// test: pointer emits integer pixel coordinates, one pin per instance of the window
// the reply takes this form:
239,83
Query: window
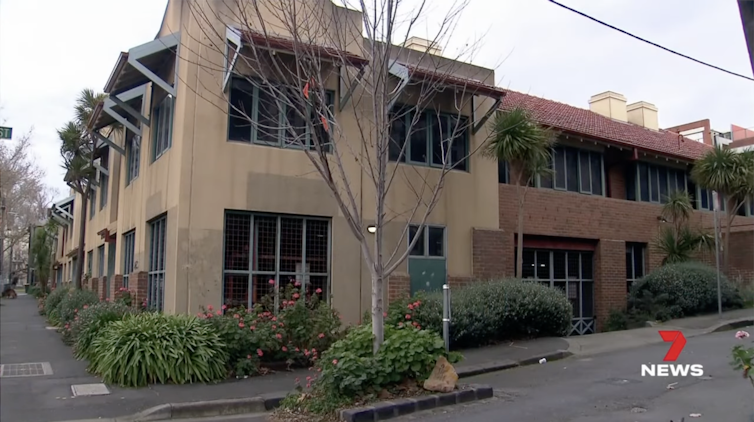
503,172
129,241
431,241
433,138
133,158
101,261
256,116
635,269
104,180
89,263
92,203
575,170
653,183
156,275
162,126
570,271
262,251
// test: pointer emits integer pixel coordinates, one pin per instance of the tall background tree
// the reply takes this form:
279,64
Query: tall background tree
26,196
526,147
731,174
77,149
327,42
41,255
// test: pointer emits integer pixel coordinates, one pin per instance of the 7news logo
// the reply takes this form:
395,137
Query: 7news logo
675,370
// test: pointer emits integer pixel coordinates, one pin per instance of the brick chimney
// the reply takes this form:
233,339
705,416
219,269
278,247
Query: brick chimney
644,114
609,104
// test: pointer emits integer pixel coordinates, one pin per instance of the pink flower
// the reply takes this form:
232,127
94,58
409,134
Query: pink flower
318,291
308,378
219,312
291,303
75,310
334,361
321,335
314,350
296,296
209,307
297,284
107,299
86,306
279,336
252,328
306,352
400,324
285,349
260,353
248,356
408,316
274,327
224,307
236,316
240,325
411,306
742,334
209,315
274,318
271,281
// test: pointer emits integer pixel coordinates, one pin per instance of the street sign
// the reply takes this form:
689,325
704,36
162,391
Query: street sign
6,132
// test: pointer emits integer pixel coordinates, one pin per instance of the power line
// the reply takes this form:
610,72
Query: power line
650,42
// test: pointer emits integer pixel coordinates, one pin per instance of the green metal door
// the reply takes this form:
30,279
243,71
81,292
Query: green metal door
427,274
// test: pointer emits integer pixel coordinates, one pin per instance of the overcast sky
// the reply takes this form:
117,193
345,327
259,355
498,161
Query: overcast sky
51,49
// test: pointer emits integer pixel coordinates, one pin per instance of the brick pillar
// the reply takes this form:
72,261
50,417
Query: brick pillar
115,285
609,279
398,286
94,286
101,288
488,253
139,289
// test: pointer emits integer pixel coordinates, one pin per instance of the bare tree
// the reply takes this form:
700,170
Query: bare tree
288,53
26,196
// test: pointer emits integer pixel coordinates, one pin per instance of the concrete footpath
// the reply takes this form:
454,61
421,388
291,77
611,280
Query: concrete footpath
47,395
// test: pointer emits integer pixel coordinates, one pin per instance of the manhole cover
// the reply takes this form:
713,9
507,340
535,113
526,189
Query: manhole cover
25,369
89,390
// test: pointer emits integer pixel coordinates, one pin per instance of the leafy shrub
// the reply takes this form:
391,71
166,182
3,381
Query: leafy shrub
73,302
90,322
150,347
52,303
36,291
349,369
488,311
678,290
294,336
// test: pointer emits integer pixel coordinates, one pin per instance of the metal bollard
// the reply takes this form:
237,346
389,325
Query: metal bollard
446,316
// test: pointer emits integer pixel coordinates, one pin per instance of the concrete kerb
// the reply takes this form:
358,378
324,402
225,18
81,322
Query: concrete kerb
730,325
502,365
203,409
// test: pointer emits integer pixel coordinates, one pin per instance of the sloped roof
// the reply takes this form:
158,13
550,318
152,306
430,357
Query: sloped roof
588,123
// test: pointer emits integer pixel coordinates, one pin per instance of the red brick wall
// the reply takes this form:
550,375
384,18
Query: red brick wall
488,253
398,286
139,289
610,278
115,285
742,258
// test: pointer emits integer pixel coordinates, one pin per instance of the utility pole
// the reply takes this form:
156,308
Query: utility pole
3,226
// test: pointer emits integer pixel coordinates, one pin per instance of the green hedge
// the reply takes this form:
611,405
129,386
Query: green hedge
52,303
485,312
90,323
149,348
678,290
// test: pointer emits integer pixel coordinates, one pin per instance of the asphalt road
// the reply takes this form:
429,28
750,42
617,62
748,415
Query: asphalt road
609,387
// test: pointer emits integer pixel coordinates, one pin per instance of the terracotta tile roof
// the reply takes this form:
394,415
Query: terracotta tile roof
467,84
576,120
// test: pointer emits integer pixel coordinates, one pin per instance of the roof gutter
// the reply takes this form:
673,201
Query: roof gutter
119,66
628,146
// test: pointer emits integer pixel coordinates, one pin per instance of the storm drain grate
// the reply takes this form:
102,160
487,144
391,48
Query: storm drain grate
25,369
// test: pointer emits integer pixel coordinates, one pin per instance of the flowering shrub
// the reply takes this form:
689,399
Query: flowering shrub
151,347
488,311
293,335
73,302
349,369
52,303
743,358
90,321
124,296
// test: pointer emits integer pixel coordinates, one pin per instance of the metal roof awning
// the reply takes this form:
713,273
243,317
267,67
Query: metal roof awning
62,211
141,65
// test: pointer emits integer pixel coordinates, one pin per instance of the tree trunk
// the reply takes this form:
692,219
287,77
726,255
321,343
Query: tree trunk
79,269
378,322
520,232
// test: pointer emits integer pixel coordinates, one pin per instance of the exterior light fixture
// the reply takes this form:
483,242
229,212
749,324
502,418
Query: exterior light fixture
372,229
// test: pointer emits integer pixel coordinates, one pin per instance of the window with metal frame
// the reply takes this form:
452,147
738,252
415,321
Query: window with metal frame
265,251
162,126
256,116
635,263
570,271
133,159
575,170
129,243
434,138
431,243
157,254
104,181
654,183
101,261
90,263
92,203
503,172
